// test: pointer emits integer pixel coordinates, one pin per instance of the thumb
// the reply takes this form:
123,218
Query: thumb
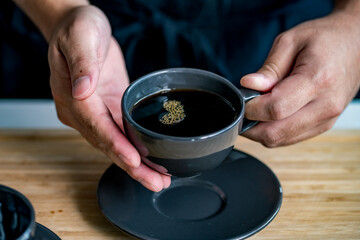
276,67
80,50
84,78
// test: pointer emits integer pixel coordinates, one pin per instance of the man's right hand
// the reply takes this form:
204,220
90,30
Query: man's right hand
88,79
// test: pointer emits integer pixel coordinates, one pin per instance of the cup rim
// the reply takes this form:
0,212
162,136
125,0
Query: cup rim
146,131
18,194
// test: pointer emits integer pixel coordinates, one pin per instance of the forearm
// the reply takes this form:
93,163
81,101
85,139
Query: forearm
46,14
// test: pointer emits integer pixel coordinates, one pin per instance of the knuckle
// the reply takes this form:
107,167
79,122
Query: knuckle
325,80
276,111
272,68
79,23
327,126
284,39
335,109
133,173
115,147
76,25
271,138
102,147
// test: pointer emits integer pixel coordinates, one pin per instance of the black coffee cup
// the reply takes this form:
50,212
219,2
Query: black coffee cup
184,156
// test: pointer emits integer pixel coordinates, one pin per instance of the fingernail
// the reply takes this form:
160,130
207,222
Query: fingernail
166,187
148,185
256,76
81,86
256,81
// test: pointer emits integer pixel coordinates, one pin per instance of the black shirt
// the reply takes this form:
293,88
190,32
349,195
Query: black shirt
228,37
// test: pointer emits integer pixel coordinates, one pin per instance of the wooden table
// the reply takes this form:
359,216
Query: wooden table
59,171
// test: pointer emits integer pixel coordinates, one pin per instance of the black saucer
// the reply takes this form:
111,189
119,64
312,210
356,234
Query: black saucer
43,233
233,201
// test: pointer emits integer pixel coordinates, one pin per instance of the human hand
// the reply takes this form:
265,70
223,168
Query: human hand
309,77
88,79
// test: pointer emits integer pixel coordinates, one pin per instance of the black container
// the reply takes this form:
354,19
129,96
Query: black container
17,218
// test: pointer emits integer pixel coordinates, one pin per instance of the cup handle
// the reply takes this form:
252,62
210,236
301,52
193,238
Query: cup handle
248,94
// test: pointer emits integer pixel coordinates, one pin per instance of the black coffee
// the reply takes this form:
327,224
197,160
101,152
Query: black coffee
184,113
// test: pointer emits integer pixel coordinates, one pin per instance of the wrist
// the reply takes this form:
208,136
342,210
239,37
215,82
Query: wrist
46,14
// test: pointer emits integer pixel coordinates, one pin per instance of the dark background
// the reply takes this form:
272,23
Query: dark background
230,38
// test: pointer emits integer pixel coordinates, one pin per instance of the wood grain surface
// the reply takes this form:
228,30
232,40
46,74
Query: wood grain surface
59,171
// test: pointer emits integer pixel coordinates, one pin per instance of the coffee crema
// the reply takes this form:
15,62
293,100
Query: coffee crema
175,112
184,112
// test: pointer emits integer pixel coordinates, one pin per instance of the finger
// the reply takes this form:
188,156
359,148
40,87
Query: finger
289,95
277,66
301,125
83,52
166,180
101,129
145,175
149,178
315,131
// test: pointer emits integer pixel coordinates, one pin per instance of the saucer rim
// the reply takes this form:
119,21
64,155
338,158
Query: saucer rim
40,229
273,213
